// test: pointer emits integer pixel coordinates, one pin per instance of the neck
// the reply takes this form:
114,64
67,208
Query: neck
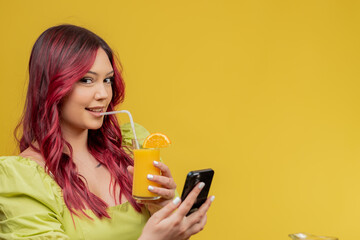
77,139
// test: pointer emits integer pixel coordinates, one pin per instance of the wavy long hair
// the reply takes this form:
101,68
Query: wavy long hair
60,57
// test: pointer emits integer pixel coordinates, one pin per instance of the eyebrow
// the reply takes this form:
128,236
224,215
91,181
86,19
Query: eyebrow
98,74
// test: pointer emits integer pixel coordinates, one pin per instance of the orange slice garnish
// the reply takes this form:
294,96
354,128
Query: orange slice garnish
156,140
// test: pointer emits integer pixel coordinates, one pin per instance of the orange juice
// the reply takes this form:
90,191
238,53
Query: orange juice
143,165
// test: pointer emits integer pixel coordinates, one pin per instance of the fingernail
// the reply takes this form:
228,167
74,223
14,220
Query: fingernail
201,185
156,162
150,188
149,176
212,198
176,200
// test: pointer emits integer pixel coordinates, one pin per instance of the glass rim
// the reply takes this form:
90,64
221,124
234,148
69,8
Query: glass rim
146,149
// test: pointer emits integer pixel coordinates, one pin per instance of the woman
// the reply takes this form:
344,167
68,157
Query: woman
72,179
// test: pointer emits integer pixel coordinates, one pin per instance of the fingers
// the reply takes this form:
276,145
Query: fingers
165,171
166,182
197,227
163,192
197,220
167,210
197,216
190,199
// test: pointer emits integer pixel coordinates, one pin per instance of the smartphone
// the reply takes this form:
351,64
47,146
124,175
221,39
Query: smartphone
193,178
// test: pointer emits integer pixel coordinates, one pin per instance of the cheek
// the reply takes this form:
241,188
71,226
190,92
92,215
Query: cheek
110,94
69,110
75,102
81,96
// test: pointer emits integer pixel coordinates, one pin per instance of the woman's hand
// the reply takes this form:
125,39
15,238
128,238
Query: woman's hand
167,191
169,225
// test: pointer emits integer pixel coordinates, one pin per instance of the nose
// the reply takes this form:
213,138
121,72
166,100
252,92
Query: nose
101,92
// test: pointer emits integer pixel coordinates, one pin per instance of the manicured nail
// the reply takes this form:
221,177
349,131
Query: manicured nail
176,200
149,176
212,198
201,185
150,188
156,162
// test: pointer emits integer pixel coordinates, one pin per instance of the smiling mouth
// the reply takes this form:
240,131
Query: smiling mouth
96,110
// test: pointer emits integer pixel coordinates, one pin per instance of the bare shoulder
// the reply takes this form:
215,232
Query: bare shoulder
33,155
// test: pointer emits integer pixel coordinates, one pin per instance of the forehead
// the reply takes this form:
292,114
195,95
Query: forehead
102,63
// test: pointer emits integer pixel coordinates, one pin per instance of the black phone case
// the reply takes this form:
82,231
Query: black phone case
193,178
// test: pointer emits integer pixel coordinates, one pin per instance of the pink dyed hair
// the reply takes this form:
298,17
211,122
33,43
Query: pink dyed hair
60,57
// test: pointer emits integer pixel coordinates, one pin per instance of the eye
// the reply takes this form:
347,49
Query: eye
109,80
86,80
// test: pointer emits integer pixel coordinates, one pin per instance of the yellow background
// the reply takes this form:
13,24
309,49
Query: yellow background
264,92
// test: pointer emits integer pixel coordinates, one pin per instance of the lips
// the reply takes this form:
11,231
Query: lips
96,109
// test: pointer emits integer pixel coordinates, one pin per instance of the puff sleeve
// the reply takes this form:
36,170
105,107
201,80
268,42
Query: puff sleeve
31,205
128,135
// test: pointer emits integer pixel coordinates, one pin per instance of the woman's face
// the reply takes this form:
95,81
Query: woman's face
90,96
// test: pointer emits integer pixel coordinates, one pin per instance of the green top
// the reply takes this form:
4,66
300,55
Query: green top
32,206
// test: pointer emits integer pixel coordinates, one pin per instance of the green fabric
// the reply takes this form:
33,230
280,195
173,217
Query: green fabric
127,133
32,206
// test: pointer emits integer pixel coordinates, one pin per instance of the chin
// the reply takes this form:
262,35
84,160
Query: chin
95,127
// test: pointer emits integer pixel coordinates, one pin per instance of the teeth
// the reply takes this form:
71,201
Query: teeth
94,110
